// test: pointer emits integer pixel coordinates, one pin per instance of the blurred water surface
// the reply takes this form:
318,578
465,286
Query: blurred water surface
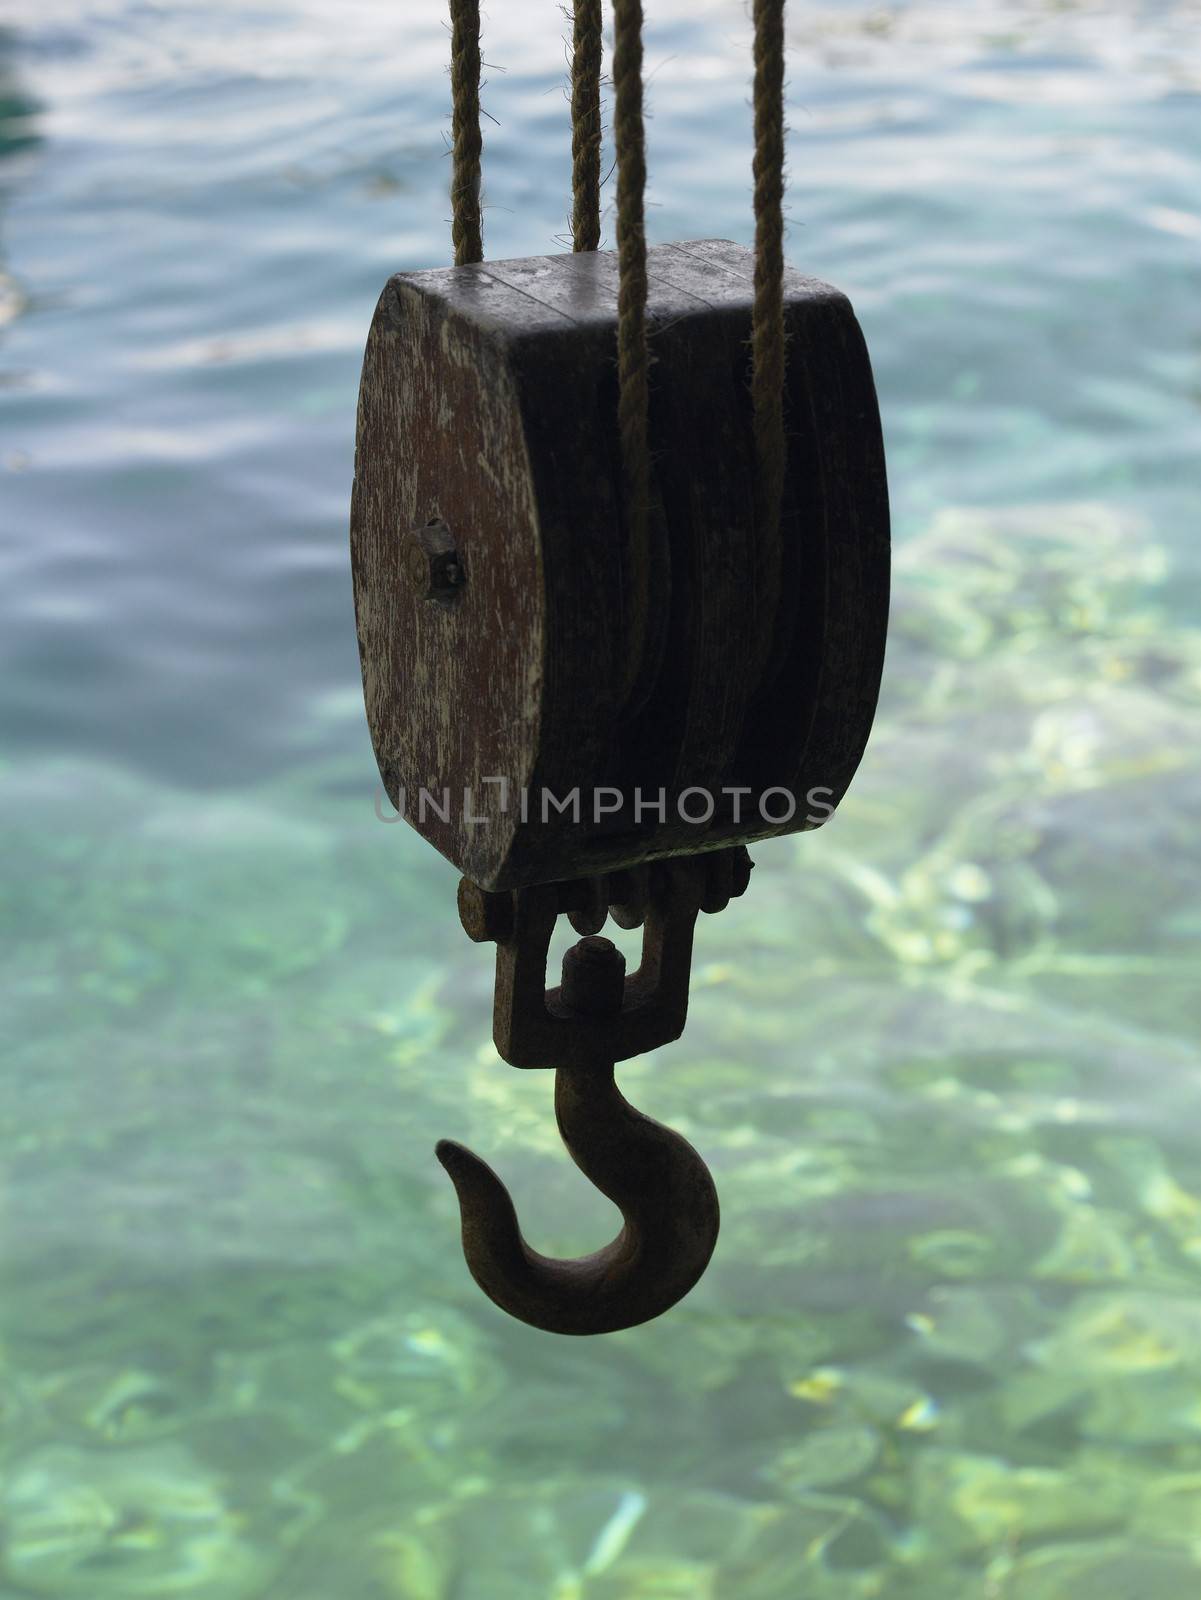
942,1059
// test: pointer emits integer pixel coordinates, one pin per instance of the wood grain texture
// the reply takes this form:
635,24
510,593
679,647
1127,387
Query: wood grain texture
489,400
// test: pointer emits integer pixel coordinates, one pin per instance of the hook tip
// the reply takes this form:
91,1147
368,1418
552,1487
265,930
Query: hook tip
492,1241
475,1182
450,1153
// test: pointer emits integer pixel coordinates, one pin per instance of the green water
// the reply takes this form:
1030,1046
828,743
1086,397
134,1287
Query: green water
941,1059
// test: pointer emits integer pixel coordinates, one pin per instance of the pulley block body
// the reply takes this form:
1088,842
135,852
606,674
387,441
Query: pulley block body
552,692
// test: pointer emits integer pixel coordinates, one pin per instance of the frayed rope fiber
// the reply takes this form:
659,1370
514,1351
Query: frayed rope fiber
467,140
586,125
633,359
767,322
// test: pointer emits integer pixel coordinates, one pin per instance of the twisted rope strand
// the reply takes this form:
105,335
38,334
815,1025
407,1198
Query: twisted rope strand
586,125
633,361
767,322
468,142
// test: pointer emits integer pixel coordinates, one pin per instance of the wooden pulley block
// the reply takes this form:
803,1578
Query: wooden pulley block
552,693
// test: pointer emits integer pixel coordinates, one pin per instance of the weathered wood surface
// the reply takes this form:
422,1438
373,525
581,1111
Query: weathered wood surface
489,404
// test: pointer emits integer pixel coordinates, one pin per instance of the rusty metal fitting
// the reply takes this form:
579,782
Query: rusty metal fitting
432,563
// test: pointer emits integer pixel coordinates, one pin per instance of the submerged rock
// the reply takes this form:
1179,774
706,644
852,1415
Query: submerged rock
1114,1570
965,1502
130,1524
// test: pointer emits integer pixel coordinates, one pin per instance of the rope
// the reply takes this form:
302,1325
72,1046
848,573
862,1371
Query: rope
633,361
768,334
767,320
468,142
586,125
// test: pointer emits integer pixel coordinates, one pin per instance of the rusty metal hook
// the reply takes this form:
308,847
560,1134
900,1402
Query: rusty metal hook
654,1176
596,1018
